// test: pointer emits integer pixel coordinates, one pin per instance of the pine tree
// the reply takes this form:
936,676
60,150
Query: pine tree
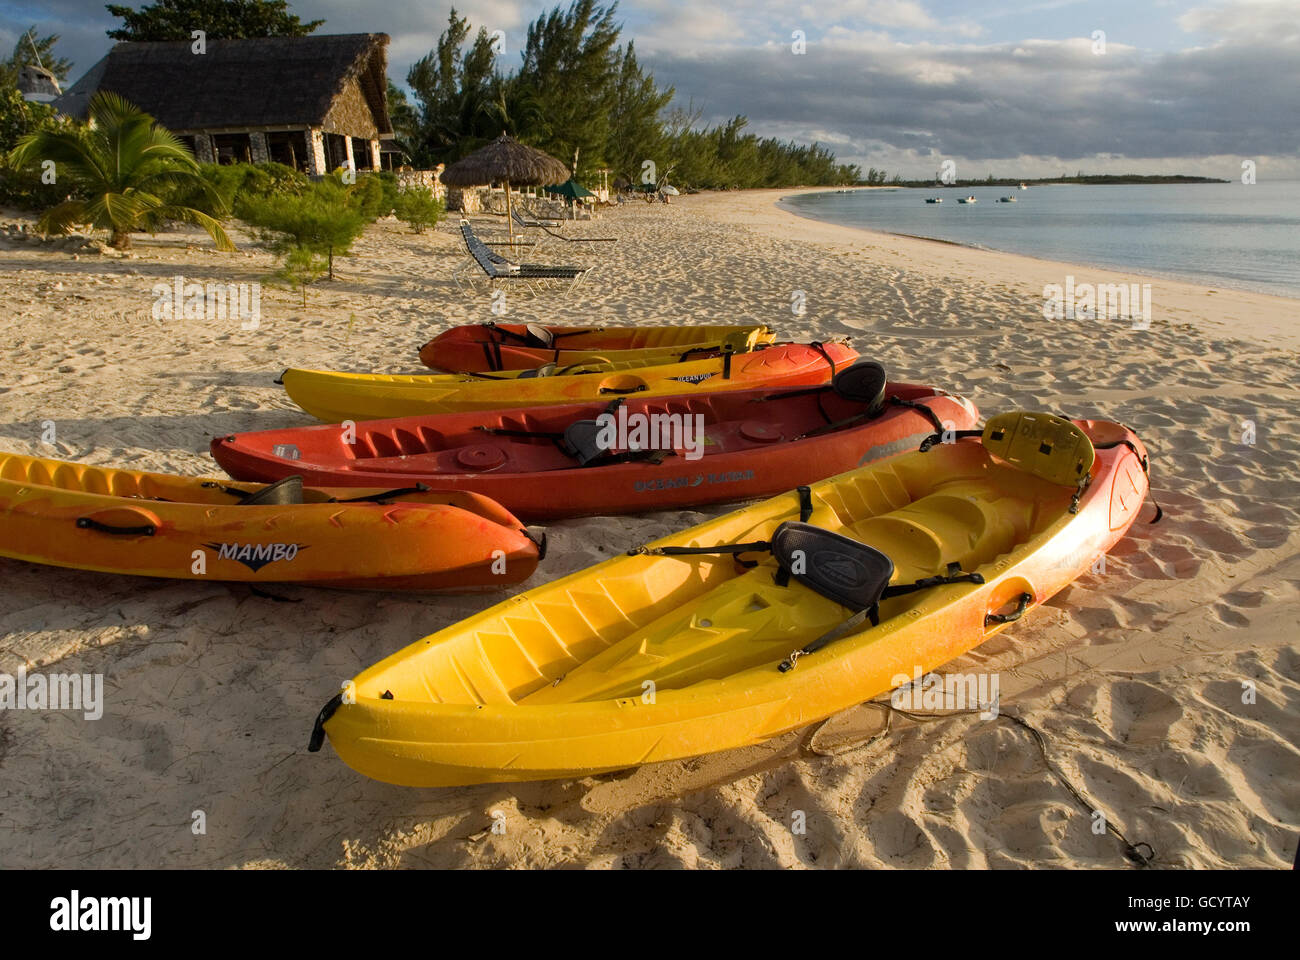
219,19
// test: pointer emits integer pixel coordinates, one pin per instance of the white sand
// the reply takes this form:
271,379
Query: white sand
1135,676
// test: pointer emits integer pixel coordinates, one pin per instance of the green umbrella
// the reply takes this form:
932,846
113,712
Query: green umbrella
570,188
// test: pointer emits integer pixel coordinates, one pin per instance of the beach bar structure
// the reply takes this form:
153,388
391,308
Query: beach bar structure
314,103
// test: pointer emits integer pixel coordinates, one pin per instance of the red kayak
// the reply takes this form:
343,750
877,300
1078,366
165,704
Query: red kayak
589,459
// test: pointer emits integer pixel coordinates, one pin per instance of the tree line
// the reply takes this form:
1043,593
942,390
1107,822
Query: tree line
583,97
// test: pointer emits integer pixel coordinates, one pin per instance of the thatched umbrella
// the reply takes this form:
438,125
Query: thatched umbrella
510,162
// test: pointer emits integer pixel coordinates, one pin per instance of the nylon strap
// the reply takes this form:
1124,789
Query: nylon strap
382,497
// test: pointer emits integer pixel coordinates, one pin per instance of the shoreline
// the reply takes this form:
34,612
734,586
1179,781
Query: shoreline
1259,317
1169,277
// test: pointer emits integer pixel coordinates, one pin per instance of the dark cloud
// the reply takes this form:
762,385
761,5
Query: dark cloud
979,103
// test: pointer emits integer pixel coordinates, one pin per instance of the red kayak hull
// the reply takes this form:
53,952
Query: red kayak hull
752,448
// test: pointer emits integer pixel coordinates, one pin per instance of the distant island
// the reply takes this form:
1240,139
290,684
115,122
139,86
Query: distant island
1041,181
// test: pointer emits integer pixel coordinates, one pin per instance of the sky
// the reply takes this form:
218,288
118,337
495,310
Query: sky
1011,88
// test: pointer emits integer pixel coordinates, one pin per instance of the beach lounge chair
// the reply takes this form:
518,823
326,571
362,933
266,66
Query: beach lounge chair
520,221
525,220
498,268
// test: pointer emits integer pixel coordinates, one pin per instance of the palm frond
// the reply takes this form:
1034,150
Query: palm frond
127,167
211,224
63,217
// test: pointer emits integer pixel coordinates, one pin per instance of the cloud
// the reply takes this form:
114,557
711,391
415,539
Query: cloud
1038,98
1272,22
894,83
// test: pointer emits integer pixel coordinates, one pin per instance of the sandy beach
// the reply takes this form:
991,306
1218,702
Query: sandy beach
1167,687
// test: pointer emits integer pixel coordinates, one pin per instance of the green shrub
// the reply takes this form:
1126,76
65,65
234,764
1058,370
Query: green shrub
388,180
367,194
300,268
418,207
236,183
23,186
322,220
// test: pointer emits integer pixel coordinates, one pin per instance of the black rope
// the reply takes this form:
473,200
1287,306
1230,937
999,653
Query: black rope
1132,851
928,443
383,497
520,434
782,576
758,546
821,348
1146,468
239,495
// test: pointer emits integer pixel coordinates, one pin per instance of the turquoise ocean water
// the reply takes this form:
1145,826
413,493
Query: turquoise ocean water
1221,234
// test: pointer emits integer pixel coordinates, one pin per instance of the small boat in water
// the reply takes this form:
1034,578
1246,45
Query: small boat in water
934,199
967,200
1024,187
1007,200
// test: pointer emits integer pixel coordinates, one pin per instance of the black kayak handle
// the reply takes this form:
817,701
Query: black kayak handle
318,728
624,391
1021,606
86,523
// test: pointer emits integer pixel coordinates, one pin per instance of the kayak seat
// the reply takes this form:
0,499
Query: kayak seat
545,370
580,441
840,568
284,492
1049,447
863,382
538,336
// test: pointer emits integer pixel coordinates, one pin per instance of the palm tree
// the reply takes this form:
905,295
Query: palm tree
122,171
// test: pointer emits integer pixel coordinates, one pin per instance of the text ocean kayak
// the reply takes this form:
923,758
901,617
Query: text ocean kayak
655,656
156,525
548,462
369,396
485,347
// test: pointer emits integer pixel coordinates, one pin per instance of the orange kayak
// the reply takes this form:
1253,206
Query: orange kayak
486,347
156,525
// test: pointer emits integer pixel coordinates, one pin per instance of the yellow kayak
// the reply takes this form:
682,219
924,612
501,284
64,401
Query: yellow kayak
335,397
678,649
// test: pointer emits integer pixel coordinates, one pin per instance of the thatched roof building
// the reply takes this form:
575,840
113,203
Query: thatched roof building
314,103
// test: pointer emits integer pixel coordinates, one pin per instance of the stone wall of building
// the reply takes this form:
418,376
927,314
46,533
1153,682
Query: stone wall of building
203,151
425,178
316,152
257,147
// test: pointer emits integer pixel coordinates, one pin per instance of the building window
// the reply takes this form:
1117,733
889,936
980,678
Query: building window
336,151
288,148
361,153
233,148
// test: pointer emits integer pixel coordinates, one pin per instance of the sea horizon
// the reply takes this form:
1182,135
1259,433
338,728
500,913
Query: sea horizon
1233,235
